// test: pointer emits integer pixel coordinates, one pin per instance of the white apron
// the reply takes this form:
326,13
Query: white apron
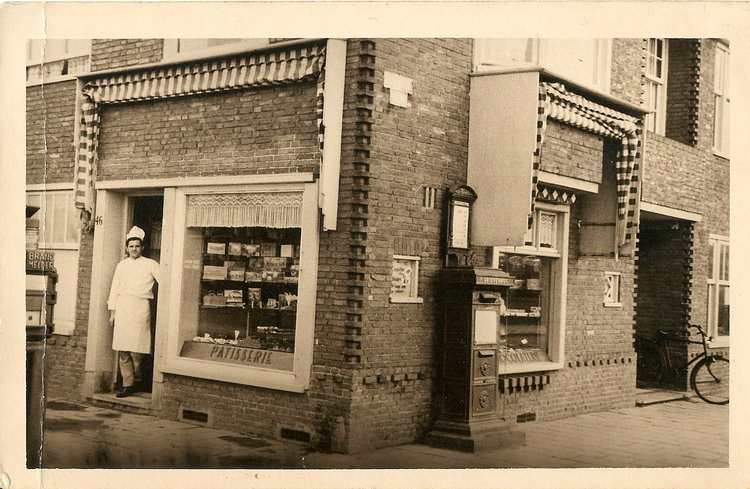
132,325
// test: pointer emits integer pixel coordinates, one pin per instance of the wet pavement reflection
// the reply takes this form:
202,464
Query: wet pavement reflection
663,434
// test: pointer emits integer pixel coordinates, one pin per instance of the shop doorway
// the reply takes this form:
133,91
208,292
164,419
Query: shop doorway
146,212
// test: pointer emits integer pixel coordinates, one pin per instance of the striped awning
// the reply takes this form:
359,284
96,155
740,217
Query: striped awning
252,70
575,110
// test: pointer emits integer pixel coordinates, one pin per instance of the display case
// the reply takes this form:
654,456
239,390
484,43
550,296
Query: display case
247,290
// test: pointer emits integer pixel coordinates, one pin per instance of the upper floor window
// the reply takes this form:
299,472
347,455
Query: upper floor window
182,47
58,223
51,59
721,96
656,85
718,289
585,61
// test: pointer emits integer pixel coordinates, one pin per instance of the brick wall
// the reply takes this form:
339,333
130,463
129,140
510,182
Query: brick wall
109,54
599,365
682,172
50,117
268,130
674,174
424,144
660,276
66,356
682,90
628,65
706,49
572,152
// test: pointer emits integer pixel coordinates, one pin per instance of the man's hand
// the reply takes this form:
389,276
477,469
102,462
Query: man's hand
111,318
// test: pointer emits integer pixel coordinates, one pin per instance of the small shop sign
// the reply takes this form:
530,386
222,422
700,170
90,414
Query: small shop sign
239,355
522,356
43,261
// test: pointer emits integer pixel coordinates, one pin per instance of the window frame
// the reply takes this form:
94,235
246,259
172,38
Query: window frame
47,219
541,53
615,298
658,118
721,127
558,286
714,284
413,297
172,52
297,380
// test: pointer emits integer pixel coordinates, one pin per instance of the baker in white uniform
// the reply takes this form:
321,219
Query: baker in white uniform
130,312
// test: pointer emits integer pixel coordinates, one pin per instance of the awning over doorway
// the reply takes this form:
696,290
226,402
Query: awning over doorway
291,65
557,102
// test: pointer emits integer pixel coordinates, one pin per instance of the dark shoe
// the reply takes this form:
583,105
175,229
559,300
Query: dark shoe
127,391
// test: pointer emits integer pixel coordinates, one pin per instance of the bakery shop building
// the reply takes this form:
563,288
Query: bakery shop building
361,242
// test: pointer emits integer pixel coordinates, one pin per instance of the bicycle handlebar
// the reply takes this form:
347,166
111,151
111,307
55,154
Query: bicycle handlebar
701,331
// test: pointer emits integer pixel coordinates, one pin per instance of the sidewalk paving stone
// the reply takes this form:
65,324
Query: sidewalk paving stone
656,435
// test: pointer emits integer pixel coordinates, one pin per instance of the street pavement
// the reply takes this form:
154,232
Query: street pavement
685,432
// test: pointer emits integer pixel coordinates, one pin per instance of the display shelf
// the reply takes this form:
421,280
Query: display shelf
522,314
267,278
209,306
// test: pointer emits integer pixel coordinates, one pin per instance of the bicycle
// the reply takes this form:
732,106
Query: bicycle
709,377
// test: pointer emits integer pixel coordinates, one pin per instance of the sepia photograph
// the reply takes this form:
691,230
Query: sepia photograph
300,254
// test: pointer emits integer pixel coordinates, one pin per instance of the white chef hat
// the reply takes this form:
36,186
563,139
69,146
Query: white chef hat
135,233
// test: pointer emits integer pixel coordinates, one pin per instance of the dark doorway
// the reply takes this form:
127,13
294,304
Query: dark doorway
147,214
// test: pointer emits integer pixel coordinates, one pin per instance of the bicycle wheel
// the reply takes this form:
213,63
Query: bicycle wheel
710,380
651,364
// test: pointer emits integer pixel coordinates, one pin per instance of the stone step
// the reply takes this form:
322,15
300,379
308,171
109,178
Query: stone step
648,397
138,403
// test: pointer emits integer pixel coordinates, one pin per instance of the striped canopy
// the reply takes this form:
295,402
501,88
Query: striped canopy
572,109
252,70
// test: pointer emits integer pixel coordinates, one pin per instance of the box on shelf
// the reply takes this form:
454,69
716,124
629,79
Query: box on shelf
235,249
250,250
268,249
216,248
211,272
212,299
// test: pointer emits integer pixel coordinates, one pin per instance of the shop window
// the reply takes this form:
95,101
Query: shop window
532,315
612,296
52,59
721,97
718,290
405,279
586,61
58,223
244,281
242,305
656,85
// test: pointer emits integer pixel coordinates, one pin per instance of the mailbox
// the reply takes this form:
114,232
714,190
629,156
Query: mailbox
472,305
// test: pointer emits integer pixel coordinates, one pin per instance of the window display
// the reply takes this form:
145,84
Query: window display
239,295
523,334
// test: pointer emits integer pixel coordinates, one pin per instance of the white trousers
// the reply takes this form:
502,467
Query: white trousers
130,367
